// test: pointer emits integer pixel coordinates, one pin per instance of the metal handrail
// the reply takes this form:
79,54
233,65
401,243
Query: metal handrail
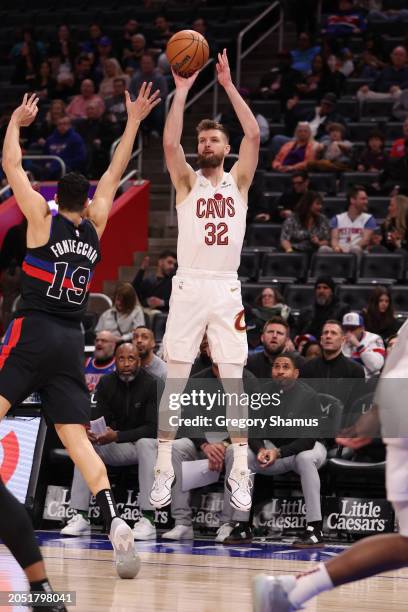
173,191
128,176
242,54
54,157
137,153
197,96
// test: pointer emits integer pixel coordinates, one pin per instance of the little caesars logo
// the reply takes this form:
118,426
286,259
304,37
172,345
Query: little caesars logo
353,515
282,514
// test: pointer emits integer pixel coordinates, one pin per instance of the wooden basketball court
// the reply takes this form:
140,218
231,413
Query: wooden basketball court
186,577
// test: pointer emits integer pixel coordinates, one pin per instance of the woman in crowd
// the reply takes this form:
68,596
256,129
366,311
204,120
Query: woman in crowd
379,315
111,71
267,304
295,154
307,229
374,157
394,228
125,315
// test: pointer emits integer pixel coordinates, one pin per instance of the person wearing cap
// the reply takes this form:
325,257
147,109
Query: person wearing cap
326,306
363,346
318,118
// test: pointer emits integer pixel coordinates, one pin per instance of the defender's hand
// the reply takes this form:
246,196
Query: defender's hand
25,114
223,69
144,103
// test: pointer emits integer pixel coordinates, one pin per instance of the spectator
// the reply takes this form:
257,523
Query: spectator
268,304
145,342
12,253
104,53
26,57
280,82
43,83
394,228
154,290
212,446
310,350
63,48
161,34
83,70
90,46
103,360
395,175
334,151
326,307
133,54
304,53
374,157
76,109
112,70
49,124
275,340
125,315
98,134
307,229
352,230
127,399
387,11
67,144
348,20
398,146
203,360
295,154
371,61
400,108
318,118
320,81
391,80
116,105
149,73
280,454
130,28
379,315
329,373
200,25
362,346
287,202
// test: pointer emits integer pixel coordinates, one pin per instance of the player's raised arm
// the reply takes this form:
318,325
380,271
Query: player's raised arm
102,201
181,173
32,204
244,169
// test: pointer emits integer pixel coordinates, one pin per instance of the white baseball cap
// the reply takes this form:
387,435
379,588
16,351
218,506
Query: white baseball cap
353,319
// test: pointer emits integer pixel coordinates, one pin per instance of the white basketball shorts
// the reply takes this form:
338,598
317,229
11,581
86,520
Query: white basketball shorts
396,476
206,301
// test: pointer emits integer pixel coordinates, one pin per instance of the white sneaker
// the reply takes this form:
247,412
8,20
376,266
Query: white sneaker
144,530
179,532
224,531
77,526
271,594
160,495
240,485
127,560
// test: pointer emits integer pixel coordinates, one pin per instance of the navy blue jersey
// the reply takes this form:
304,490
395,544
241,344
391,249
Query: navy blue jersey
56,277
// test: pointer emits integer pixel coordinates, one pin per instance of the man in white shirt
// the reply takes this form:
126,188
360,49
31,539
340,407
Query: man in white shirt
363,346
351,231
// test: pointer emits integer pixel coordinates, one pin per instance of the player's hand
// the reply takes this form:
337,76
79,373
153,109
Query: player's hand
106,438
354,443
25,114
182,82
144,103
223,69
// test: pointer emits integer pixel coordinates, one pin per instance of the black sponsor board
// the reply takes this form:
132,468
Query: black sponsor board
358,515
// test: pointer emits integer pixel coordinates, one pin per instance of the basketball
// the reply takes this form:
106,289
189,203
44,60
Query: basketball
187,51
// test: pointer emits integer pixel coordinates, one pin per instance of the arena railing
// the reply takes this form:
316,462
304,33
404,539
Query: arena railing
40,157
173,191
277,26
137,155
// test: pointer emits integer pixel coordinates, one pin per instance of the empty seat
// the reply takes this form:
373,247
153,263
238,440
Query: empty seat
340,266
356,296
276,181
98,303
284,267
376,109
394,130
349,107
349,179
400,298
248,269
271,109
299,296
353,85
361,131
378,207
326,183
264,234
382,268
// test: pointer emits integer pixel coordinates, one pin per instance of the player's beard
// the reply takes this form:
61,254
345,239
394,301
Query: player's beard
209,161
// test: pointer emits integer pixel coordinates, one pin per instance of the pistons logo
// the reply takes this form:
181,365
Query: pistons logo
239,323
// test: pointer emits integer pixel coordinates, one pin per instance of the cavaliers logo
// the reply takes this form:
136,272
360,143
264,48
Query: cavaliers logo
239,323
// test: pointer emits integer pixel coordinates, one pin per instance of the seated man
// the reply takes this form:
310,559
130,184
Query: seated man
391,81
305,456
127,398
145,342
154,290
362,346
103,360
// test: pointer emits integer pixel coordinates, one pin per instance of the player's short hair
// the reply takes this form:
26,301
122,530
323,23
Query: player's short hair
72,191
277,321
210,124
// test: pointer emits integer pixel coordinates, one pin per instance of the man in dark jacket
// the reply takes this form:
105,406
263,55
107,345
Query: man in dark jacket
326,306
154,290
319,118
284,449
66,143
128,400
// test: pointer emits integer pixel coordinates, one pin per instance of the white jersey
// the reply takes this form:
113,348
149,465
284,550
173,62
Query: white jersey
370,353
351,231
211,226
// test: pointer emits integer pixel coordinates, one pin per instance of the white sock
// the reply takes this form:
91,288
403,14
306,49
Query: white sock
310,584
164,462
240,456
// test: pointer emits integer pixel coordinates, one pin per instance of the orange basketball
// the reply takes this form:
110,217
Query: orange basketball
187,51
